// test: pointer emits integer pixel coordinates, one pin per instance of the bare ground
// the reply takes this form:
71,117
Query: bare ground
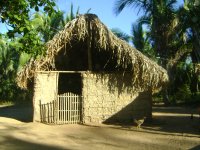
171,128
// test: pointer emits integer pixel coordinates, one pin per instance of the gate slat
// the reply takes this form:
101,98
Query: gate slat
68,115
65,104
72,104
69,100
62,105
66,109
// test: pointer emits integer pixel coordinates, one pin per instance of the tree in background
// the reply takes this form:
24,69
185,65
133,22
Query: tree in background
120,34
141,40
138,38
17,51
189,19
173,35
8,66
70,16
47,26
16,13
159,17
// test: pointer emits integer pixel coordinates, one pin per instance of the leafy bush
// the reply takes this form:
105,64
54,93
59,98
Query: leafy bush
183,94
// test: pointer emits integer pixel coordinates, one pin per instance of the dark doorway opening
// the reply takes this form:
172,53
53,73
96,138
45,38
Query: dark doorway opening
70,82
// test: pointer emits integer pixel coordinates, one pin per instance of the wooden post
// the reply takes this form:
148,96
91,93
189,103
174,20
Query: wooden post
89,51
41,118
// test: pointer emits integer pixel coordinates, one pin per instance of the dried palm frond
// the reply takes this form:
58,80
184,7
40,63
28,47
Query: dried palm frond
145,73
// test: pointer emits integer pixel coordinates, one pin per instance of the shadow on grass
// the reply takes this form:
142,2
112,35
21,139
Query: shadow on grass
20,111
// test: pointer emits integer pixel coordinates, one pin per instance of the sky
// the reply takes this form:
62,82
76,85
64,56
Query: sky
104,9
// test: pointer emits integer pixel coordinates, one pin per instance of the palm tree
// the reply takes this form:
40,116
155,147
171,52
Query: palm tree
190,26
47,25
70,16
141,40
120,34
138,38
159,17
8,65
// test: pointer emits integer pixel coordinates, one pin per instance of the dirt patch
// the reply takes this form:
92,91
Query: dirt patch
171,128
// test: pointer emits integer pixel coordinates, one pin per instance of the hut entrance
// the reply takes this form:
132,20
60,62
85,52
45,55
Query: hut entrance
66,109
69,99
67,106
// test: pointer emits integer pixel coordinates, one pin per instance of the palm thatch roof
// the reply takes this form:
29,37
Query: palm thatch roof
88,32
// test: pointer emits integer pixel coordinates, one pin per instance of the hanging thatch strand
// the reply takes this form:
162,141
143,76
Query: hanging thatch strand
146,73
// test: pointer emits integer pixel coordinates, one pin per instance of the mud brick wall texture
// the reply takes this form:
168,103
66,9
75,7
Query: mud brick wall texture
107,99
45,90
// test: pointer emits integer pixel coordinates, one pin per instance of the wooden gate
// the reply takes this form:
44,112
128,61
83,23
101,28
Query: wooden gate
69,108
66,109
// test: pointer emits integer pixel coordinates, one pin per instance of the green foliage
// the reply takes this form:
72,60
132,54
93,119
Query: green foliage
173,36
23,59
159,17
9,64
121,34
46,26
189,26
50,25
183,94
17,15
195,98
138,36
8,57
32,44
141,40
26,40
70,16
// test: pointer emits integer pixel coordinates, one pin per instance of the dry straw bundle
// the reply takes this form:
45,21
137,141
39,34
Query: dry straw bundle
145,72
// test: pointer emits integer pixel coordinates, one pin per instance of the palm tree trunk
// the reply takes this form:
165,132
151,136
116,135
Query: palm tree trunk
165,93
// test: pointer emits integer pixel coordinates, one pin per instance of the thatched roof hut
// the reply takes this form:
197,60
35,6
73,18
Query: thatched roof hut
94,47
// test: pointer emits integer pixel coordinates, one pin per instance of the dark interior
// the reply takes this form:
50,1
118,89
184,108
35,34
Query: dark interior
75,58
72,58
70,82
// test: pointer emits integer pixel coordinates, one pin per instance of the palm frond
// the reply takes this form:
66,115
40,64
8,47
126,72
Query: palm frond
122,35
142,69
121,4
